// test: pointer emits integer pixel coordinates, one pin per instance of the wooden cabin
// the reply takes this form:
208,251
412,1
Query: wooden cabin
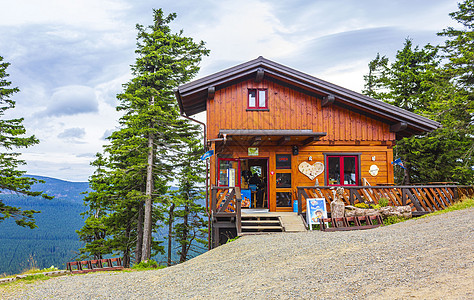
292,129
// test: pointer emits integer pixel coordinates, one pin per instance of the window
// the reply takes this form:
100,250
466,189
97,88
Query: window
283,180
342,170
229,170
258,99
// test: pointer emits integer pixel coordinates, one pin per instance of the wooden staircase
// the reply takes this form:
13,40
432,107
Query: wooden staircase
260,223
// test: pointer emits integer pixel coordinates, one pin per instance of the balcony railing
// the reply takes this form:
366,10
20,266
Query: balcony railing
422,198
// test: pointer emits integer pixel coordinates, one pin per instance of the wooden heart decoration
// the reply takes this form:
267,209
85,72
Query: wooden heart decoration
311,170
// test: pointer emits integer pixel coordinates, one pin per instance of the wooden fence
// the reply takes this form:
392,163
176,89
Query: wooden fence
422,198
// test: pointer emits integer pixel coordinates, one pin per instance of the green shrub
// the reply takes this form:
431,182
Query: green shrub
383,202
361,205
393,220
148,265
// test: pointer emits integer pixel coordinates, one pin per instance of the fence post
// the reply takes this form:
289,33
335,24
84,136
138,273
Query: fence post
300,196
351,196
213,200
456,194
238,204
404,196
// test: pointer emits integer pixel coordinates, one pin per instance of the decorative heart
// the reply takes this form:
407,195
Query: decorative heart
311,170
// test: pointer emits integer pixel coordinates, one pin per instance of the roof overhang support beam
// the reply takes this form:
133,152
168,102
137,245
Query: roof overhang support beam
310,140
328,100
256,141
284,140
400,126
211,92
259,76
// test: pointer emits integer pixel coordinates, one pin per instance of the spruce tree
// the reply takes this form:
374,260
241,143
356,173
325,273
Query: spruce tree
143,154
420,81
12,137
165,60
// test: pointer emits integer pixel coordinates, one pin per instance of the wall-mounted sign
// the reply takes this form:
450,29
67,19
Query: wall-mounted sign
252,151
374,170
283,161
312,171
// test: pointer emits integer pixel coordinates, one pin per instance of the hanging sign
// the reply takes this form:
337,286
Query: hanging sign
253,151
207,154
312,171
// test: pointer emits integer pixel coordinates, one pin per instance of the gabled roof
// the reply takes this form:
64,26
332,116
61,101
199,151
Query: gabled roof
192,96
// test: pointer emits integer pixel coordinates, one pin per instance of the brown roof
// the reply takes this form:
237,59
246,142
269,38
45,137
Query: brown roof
192,96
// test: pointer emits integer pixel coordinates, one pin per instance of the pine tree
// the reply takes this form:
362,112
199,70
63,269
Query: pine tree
459,47
165,60
408,82
143,153
11,137
418,81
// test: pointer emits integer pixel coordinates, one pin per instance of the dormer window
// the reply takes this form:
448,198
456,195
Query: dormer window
257,99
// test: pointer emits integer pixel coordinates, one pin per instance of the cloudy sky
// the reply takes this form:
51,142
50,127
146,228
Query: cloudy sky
70,58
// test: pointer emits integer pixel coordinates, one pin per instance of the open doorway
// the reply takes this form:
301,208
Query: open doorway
254,183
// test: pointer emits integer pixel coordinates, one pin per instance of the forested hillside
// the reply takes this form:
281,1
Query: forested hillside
55,241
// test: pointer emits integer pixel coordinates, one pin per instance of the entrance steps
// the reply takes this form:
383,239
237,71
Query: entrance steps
267,222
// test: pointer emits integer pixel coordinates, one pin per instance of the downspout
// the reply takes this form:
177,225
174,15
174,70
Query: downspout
205,148
207,179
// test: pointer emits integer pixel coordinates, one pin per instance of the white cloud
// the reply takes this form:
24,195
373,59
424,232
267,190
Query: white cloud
73,135
71,100
88,14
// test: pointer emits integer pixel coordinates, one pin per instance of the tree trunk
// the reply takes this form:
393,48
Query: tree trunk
146,251
170,232
184,246
126,252
138,248
406,173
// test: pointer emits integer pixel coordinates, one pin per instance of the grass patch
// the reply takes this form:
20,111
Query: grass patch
35,277
36,271
462,204
231,240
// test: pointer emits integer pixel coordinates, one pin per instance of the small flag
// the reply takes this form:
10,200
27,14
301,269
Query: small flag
207,154
399,162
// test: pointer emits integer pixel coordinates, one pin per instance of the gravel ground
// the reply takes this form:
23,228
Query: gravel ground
430,258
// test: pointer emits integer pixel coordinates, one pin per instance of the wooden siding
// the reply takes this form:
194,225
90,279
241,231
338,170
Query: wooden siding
383,156
290,109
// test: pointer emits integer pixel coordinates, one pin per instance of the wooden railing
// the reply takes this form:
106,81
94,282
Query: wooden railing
226,202
422,198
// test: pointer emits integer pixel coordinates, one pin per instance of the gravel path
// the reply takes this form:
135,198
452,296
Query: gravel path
430,258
